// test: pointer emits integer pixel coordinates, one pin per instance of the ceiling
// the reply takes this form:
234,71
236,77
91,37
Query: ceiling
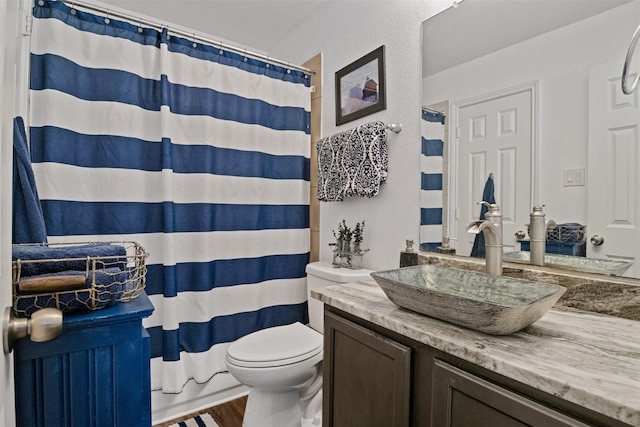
252,24
477,27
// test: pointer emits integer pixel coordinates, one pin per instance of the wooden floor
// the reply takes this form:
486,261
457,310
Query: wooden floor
226,415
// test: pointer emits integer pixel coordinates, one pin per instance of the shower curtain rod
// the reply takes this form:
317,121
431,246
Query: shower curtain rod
134,19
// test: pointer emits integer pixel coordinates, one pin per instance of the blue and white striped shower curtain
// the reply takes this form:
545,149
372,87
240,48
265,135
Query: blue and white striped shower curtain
431,162
201,155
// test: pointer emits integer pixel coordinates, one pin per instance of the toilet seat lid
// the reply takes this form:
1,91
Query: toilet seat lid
276,346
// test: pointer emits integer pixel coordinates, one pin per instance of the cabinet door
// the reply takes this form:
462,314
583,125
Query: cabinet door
366,377
461,399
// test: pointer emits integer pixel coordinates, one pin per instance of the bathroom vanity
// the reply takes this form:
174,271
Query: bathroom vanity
384,366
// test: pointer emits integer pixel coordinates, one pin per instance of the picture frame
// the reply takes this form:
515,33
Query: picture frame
361,87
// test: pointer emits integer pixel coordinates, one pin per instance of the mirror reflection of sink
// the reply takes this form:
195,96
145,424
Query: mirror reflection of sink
495,305
608,267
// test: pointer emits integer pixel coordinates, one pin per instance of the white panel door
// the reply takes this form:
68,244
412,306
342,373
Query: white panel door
613,202
8,43
494,136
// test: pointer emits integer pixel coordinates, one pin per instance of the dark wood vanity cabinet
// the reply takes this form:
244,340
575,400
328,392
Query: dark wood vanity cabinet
376,377
461,399
366,378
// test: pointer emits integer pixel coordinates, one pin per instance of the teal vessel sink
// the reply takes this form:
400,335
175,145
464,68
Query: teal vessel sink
495,305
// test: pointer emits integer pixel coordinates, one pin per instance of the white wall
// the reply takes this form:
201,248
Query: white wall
560,61
343,32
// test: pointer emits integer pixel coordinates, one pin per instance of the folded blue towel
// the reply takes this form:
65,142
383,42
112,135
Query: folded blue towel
108,288
28,220
79,253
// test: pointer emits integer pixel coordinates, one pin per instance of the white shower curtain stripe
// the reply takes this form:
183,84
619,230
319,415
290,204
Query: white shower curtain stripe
220,245
231,299
237,81
130,121
431,198
58,38
62,182
182,367
59,110
204,160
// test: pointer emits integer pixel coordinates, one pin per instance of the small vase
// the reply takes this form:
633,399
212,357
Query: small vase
345,247
336,255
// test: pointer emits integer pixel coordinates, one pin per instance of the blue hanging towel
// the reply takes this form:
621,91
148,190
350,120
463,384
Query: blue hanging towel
478,249
28,220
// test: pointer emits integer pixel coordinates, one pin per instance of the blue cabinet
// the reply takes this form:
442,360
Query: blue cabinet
95,374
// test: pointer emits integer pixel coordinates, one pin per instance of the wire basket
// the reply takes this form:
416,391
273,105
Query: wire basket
565,233
72,283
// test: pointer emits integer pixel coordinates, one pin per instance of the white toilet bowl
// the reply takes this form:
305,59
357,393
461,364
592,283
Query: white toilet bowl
282,365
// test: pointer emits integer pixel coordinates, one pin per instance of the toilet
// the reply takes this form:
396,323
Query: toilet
282,365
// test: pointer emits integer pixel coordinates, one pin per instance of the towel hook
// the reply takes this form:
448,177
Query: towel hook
627,63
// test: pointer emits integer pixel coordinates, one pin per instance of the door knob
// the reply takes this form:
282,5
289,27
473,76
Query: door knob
597,240
44,325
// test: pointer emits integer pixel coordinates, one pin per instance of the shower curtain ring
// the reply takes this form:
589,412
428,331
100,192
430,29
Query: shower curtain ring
193,41
73,8
245,56
140,29
107,20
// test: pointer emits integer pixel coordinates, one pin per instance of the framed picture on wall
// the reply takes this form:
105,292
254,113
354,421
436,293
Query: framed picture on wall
361,88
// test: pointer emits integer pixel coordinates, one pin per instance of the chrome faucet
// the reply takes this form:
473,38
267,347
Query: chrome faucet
538,234
491,226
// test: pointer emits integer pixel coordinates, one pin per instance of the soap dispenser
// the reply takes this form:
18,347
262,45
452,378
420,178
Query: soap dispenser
408,257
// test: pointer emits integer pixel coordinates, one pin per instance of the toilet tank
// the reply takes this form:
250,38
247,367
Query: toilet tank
321,274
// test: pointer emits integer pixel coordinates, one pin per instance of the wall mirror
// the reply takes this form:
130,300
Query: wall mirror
531,93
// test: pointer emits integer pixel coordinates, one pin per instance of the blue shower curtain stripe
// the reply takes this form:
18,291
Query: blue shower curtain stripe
112,151
200,337
200,156
93,85
204,276
65,218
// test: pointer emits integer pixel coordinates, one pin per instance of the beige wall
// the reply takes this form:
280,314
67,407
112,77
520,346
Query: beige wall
315,64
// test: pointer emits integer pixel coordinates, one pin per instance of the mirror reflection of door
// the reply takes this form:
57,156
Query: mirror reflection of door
613,197
494,136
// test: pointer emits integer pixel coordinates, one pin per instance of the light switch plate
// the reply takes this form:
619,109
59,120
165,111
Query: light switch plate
574,177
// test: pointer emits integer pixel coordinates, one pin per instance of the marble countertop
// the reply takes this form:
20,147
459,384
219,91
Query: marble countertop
588,359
